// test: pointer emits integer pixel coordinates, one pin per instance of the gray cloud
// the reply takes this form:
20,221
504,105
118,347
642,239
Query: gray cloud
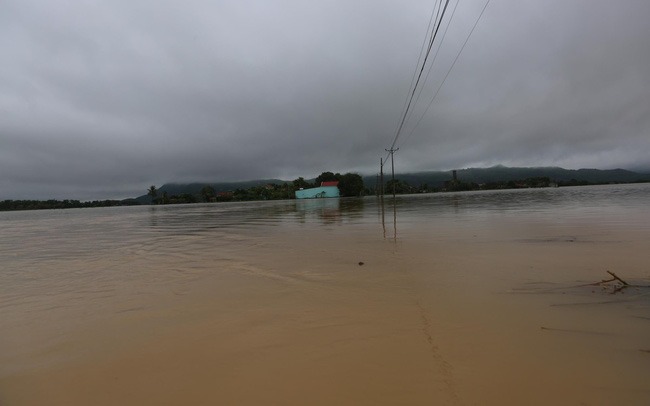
99,99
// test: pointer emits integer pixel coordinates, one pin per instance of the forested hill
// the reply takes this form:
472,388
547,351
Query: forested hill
506,174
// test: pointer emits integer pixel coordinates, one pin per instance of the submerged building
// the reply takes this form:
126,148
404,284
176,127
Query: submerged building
326,189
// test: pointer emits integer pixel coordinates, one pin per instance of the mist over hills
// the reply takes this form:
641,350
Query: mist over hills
437,178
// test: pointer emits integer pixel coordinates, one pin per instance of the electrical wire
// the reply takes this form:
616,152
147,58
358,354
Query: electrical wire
433,37
447,74
422,47
435,56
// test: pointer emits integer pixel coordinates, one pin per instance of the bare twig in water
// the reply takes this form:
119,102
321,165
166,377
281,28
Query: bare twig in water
617,288
604,281
613,285
617,278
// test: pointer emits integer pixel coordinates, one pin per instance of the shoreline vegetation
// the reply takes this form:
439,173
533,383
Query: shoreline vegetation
350,185
16,205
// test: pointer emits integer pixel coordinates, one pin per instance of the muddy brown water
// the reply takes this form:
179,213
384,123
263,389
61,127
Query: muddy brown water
461,299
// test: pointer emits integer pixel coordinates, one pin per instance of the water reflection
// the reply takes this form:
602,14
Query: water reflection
392,202
606,204
592,201
328,211
463,208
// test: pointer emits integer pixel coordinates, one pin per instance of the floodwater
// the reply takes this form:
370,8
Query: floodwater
478,298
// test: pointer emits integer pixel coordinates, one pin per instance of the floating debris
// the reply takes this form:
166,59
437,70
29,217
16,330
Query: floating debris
617,284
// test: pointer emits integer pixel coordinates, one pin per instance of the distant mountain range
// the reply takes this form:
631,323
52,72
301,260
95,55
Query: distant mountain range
437,178
505,174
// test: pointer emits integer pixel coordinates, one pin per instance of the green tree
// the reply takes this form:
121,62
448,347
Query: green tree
325,177
208,193
350,184
401,187
301,183
183,198
153,192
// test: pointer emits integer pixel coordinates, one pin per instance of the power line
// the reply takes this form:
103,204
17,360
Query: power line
412,88
448,72
435,56
434,33
424,42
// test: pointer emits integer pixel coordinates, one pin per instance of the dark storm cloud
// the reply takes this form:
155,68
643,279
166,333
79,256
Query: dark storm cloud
101,99
554,83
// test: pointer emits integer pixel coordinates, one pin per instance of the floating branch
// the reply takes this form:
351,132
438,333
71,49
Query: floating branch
616,278
613,285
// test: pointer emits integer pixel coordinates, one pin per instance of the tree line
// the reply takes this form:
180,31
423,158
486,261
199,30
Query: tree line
11,205
403,187
350,185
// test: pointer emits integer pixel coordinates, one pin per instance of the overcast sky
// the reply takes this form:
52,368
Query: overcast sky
101,99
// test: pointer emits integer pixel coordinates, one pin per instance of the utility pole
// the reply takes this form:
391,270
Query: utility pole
377,185
381,177
392,166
